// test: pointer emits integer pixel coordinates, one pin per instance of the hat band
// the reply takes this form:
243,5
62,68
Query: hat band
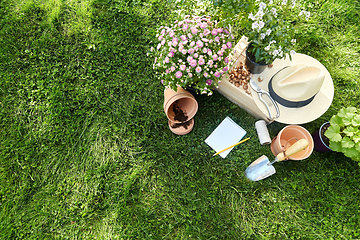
287,103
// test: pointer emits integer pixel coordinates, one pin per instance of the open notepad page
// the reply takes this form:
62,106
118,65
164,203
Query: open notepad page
225,135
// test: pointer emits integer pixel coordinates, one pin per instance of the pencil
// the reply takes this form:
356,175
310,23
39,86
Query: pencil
231,146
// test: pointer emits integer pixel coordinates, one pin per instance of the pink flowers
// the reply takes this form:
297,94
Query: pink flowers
183,37
193,63
206,32
203,25
192,48
178,74
193,30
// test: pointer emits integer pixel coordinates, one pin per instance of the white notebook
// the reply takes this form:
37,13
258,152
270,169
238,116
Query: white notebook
225,135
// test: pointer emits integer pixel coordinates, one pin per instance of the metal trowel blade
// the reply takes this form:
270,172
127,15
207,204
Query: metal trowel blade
259,169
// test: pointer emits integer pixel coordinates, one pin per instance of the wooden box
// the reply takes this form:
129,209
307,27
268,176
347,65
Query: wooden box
238,95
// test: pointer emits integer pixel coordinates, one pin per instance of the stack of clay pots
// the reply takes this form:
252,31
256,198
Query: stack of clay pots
180,107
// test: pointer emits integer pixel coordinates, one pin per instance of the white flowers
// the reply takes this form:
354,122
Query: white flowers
257,25
273,11
293,41
307,14
252,17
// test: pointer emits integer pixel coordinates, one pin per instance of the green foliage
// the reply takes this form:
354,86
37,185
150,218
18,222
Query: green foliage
232,12
86,152
344,133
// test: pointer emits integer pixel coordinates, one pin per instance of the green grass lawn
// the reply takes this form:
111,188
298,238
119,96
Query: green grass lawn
86,153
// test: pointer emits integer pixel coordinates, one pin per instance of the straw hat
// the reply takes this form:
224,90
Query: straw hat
303,89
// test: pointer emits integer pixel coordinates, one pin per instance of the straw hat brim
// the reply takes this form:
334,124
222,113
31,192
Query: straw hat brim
317,107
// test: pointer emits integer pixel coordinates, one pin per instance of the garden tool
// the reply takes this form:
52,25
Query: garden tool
260,92
262,168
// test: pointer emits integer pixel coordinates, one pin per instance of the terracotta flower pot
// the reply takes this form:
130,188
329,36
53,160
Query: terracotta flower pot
250,63
181,128
320,144
288,136
182,101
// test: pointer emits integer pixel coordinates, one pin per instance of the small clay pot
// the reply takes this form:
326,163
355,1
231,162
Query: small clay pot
288,136
184,101
319,142
181,128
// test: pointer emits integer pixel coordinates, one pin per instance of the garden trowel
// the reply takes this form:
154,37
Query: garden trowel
262,168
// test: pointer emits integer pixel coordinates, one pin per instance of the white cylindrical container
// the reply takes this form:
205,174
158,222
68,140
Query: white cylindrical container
262,132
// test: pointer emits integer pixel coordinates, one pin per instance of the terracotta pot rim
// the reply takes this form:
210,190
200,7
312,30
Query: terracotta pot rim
301,129
180,132
170,96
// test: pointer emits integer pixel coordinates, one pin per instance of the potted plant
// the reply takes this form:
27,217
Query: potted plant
344,132
192,52
321,142
271,31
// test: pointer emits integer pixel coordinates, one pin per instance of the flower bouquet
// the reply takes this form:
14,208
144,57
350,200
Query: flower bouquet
192,52
272,28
